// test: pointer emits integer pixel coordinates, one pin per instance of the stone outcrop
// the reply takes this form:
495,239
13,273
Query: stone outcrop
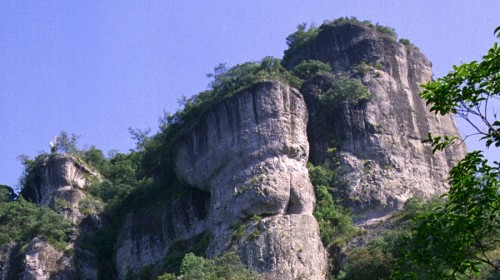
246,158
250,153
38,261
56,181
379,142
286,247
10,261
59,178
42,261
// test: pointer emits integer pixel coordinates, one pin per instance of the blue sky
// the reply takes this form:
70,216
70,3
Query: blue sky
96,68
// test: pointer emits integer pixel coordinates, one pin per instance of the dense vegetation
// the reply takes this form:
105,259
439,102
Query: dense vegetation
335,223
6,194
300,38
378,257
310,68
227,267
21,221
344,89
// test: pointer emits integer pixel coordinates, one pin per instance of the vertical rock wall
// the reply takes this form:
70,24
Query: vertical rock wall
382,158
149,232
59,177
250,153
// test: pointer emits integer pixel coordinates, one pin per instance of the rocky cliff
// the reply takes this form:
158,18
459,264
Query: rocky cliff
56,181
59,178
379,142
248,154
241,179
148,234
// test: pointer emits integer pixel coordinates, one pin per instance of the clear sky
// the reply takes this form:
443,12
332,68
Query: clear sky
96,68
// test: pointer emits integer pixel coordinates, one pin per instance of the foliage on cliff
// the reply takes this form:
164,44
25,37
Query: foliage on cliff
225,83
6,194
336,226
304,34
335,222
344,89
300,38
227,267
378,257
310,68
21,221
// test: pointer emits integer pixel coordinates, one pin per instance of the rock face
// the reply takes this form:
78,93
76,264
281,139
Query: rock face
287,247
42,262
379,142
59,180
250,153
56,181
10,261
147,234
244,166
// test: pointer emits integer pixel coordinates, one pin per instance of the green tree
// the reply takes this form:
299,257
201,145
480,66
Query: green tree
67,143
299,39
370,262
310,68
21,221
460,238
141,137
6,194
227,267
96,158
344,89
335,222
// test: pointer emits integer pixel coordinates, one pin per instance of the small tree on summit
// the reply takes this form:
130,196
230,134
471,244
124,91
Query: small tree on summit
66,143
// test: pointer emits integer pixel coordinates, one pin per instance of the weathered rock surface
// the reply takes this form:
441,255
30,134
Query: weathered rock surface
283,247
59,178
10,261
250,153
42,261
57,181
148,233
379,142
